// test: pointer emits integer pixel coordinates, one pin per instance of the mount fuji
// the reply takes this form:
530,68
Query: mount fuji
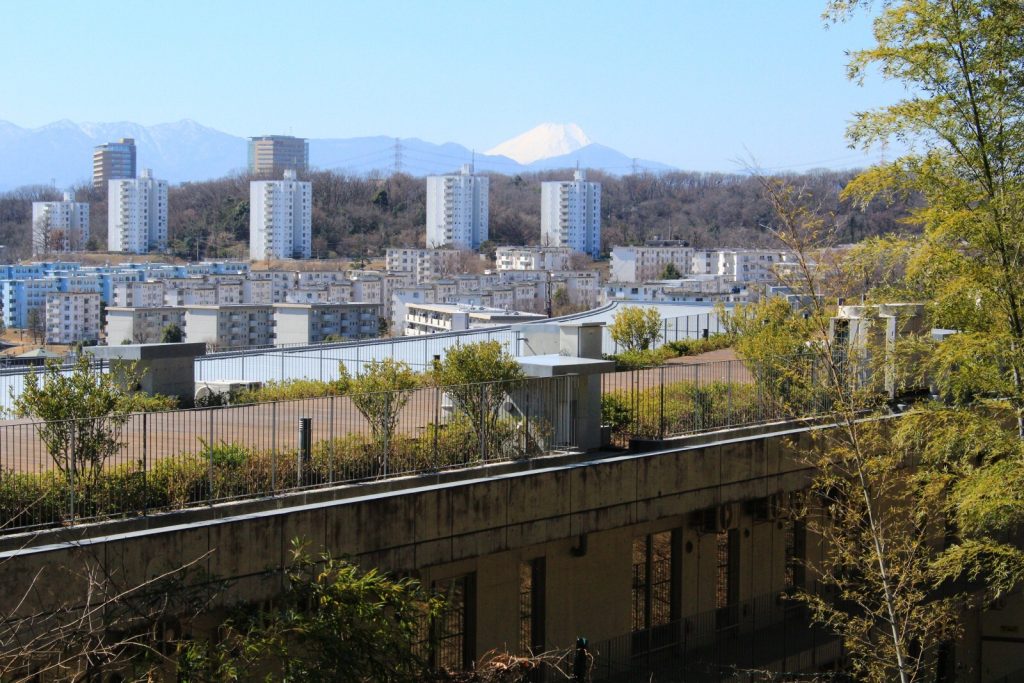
543,142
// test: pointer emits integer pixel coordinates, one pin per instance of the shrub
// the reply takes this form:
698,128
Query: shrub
615,411
289,390
635,360
693,347
682,407
635,328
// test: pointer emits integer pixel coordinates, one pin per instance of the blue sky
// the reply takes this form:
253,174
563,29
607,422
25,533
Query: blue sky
695,84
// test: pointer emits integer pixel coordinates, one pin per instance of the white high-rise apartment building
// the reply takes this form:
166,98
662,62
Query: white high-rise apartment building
457,209
137,214
59,226
280,218
570,214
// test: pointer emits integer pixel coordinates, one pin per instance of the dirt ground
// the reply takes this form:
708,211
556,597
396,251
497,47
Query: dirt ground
21,341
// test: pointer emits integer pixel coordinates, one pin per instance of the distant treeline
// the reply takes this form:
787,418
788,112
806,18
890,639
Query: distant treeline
356,216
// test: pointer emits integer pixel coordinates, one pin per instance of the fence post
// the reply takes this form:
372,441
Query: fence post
526,424
305,445
483,447
209,448
384,455
437,420
661,403
728,375
330,439
696,397
145,468
71,472
273,446
321,364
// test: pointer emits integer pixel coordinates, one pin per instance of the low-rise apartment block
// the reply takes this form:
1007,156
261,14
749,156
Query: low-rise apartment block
280,282
314,323
581,288
72,317
22,297
425,264
693,289
739,265
638,264
141,325
138,294
424,319
533,258
230,326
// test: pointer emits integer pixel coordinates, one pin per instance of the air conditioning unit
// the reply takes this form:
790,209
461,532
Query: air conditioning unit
224,387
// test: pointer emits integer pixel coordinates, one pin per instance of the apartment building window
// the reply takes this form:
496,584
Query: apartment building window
654,580
531,605
451,633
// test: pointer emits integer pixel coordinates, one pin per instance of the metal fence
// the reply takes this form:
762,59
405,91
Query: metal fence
766,638
695,326
60,473
12,381
322,362
685,398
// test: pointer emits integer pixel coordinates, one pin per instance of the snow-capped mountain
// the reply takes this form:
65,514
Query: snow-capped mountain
543,142
61,153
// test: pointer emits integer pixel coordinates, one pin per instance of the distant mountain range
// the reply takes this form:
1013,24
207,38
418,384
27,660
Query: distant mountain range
61,153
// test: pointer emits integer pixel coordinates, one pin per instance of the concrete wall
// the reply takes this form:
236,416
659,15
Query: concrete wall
484,526
581,513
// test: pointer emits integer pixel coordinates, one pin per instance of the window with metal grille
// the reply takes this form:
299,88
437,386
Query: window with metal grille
451,631
653,586
726,545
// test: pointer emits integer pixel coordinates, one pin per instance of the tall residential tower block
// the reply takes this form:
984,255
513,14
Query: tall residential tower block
137,214
59,226
280,218
457,210
570,214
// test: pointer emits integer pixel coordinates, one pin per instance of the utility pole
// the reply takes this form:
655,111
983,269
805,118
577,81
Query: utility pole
547,276
398,155
634,166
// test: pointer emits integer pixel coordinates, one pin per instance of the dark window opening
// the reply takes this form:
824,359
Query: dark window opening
531,606
451,632
727,543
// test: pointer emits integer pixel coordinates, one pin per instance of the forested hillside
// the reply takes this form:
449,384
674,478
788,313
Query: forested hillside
359,216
